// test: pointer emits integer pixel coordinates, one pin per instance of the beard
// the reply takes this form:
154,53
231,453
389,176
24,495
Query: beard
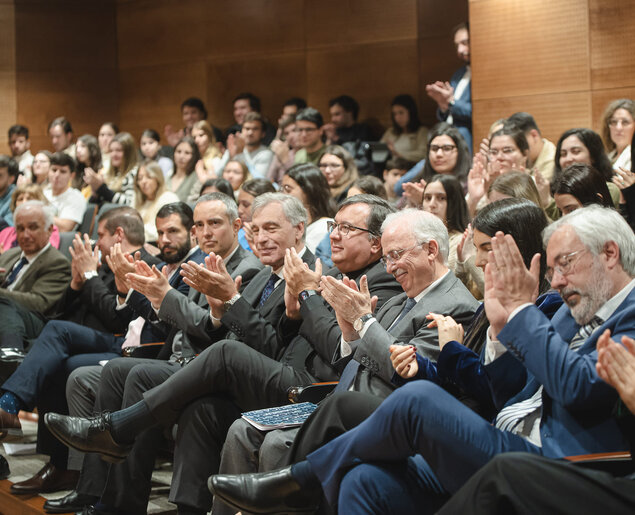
180,253
593,297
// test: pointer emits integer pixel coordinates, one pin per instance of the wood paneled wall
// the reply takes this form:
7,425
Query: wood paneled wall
561,61
8,107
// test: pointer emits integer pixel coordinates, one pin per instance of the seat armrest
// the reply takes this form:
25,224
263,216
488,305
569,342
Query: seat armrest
145,350
314,392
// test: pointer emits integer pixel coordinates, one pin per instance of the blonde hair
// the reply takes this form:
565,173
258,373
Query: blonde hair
32,189
622,103
153,169
517,184
212,150
115,175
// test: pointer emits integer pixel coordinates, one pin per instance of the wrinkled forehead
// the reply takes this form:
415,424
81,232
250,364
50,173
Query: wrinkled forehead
397,236
562,242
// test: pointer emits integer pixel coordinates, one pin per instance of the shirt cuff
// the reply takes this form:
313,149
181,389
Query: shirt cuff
216,323
121,305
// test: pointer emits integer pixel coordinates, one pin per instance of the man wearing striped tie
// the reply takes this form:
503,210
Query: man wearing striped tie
422,444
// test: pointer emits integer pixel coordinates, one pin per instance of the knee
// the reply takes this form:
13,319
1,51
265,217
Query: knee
419,395
360,492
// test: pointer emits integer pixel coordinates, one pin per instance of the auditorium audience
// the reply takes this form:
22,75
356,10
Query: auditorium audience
249,103
61,133
236,173
248,191
248,147
370,185
344,127
515,184
394,171
68,202
41,166
580,185
88,155
184,180
150,146
541,150
618,128
508,148
407,136
107,132
217,186
284,148
192,110
454,99
19,144
8,174
209,165
309,128
339,168
289,109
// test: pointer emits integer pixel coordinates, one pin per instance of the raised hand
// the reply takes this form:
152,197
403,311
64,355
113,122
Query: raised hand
150,282
85,259
297,274
616,366
212,280
413,192
465,248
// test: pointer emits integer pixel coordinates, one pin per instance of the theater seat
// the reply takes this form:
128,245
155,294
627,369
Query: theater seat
616,463
314,392
144,351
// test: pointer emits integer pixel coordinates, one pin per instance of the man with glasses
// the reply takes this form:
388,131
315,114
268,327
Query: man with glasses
308,124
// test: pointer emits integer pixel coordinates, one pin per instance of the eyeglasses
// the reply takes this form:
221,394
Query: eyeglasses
332,166
564,265
344,228
446,149
395,255
505,150
614,122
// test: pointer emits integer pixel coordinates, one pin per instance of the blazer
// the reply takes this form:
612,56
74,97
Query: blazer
577,404
189,316
42,284
449,297
461,111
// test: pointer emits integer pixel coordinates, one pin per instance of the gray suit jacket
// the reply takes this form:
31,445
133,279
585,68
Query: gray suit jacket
448,297
190,315
43,283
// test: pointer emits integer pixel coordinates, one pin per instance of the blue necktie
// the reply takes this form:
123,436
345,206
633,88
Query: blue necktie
14,273
269,287
349,372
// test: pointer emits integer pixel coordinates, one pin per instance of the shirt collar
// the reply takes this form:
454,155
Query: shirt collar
32,257
609,307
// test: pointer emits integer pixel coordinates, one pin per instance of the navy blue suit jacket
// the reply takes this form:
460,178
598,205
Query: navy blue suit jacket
461,111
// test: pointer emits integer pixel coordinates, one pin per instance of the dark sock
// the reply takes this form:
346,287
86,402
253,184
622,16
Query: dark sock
303,473
11,403
129,422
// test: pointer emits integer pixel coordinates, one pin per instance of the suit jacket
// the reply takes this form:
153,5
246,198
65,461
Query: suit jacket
461,111
317,345
577,404
94,305
189,315
42,284
448,297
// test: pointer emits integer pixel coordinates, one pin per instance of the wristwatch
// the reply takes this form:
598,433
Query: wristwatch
305,294
228,304
358,325
90,274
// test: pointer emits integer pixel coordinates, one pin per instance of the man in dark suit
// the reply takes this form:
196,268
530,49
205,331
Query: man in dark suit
561,408
238,324
33,276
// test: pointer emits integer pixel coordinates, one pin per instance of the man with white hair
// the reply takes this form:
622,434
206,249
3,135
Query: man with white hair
542,372
33,275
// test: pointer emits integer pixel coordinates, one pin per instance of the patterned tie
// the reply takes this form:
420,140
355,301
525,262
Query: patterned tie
349,372
14,273
269,287
519,417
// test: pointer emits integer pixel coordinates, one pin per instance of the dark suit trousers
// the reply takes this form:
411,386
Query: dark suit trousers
18,324
40,380
524,484
419,418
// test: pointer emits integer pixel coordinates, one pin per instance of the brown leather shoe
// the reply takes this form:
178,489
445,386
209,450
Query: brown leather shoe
48,479
9,424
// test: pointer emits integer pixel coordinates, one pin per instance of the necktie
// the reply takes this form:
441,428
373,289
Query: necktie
269,287
14,273
349,372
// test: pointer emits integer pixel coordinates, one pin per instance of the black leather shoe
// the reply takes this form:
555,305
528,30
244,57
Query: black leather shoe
72,502
266,492
87,435
91,510
48,479
4,468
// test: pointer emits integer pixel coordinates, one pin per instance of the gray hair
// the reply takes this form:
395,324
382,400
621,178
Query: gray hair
293,209
231,208
47,211
595,226
424,226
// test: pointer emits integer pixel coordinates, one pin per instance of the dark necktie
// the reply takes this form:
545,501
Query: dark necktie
14,273
269,287
349,372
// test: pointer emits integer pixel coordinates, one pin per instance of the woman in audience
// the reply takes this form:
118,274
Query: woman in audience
209,164
308,184
368,184
41,167
407,137
88,155
150,143
116,185
339,168
217,185
184,181
625,181
284,149
150,196
580,185
585,146
618,127
508,148
515,184
246,195
8,236
107,132
236,173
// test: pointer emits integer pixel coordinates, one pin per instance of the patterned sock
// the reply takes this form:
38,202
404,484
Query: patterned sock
10,403
303,473
129,422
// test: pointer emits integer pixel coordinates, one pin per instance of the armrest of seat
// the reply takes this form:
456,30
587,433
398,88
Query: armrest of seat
145,350
615,463
314,392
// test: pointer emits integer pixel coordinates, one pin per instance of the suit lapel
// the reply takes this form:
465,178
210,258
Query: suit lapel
33,268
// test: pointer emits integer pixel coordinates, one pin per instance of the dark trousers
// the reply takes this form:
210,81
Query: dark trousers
40,380
525,484
364,470
18,324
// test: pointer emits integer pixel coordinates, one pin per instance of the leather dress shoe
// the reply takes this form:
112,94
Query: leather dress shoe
266,492
48,479
4,468
87,435
72,502
9,425
93,510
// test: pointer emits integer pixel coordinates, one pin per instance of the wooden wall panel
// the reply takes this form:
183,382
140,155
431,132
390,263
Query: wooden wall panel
8,96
